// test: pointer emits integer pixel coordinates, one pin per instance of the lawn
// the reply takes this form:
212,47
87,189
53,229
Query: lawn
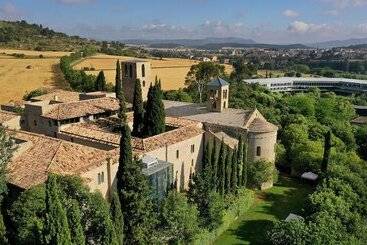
287,196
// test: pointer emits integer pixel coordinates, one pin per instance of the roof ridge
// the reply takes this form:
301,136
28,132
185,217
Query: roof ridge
54,155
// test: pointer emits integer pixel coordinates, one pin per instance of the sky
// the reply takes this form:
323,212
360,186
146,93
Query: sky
265,21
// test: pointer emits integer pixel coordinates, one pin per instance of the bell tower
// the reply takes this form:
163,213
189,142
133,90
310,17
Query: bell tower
132,70
218,94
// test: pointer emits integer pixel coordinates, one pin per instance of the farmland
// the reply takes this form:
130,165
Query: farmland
172,72
19,75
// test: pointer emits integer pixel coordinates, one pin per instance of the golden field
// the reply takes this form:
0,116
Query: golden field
47,54
172,72
16,79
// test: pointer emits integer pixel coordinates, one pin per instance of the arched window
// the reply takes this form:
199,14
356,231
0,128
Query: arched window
143,83
131,71
258,151
143,70
224,105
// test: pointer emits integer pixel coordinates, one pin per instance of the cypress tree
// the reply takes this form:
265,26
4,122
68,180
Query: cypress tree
327,148
56,230
117,217
118,82
244,166
138,109
75,219
214,165
221,168
207,157
154,120
121,113
240,160
100,84
234,175
228,171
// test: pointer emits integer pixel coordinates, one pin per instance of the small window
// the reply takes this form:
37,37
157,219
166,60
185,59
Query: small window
100,178
192,148
143,70
192,162
50,123
143,83
225,104
72,139
177,154
35,123
258,151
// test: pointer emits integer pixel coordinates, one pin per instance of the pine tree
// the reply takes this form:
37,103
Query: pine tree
118,82
138,109
100,84
244,166
154,119
117,217
327,148
76,228
228,171
221,168
56,230
234,175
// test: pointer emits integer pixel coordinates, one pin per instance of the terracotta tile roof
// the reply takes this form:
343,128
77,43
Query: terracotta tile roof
228,140
44,154
98,131
62,96
6,116
82,108
259,125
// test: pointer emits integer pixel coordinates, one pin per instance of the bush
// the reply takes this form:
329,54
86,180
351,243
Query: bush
260,172
34,93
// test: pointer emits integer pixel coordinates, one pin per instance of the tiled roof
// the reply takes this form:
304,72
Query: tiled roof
259,125
217,82
62,96
6,116
82,108
43,155
97,131
197,112
228,140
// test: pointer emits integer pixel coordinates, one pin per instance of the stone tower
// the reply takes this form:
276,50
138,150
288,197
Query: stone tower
131,71
218,94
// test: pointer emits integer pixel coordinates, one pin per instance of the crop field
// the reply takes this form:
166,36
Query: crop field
172,72
19,75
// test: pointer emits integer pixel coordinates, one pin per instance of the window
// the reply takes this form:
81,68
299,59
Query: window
50,123
143,83
192,148
225,94
143,70
100,178
225,104
177,154
35,123
131,71
258,151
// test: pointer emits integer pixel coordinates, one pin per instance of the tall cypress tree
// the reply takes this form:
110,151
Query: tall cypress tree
138,109
154,119
214,165
118,81
222,168
240,160
244,166
228,173
207,157
117,217
327,148
56,230
234,175
100,84
76,228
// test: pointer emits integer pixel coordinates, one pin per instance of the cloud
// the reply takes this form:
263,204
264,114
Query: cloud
332,12
290,13
71,2
303,27
9,11
341,4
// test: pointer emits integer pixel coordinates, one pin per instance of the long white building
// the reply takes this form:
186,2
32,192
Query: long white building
284,84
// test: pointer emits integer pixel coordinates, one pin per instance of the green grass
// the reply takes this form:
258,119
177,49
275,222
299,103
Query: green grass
287,196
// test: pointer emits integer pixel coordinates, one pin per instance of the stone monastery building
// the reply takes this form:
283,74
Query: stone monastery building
74,133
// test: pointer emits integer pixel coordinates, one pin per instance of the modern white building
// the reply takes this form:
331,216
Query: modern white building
284,84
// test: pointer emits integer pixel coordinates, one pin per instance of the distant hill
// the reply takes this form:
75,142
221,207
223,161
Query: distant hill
339,43
358,46
22,35
257,45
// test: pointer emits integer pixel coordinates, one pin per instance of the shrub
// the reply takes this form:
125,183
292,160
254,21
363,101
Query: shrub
259,173
34,93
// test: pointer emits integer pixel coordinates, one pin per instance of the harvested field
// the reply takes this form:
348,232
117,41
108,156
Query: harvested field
172,72
47,54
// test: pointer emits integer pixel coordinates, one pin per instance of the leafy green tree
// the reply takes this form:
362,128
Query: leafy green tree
138,108
259,173
179,218
222,168
242,70
75,219
117,217
100,84
56,230
200,74
293,232
327,148
6,150
118,81
154,119
215,211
